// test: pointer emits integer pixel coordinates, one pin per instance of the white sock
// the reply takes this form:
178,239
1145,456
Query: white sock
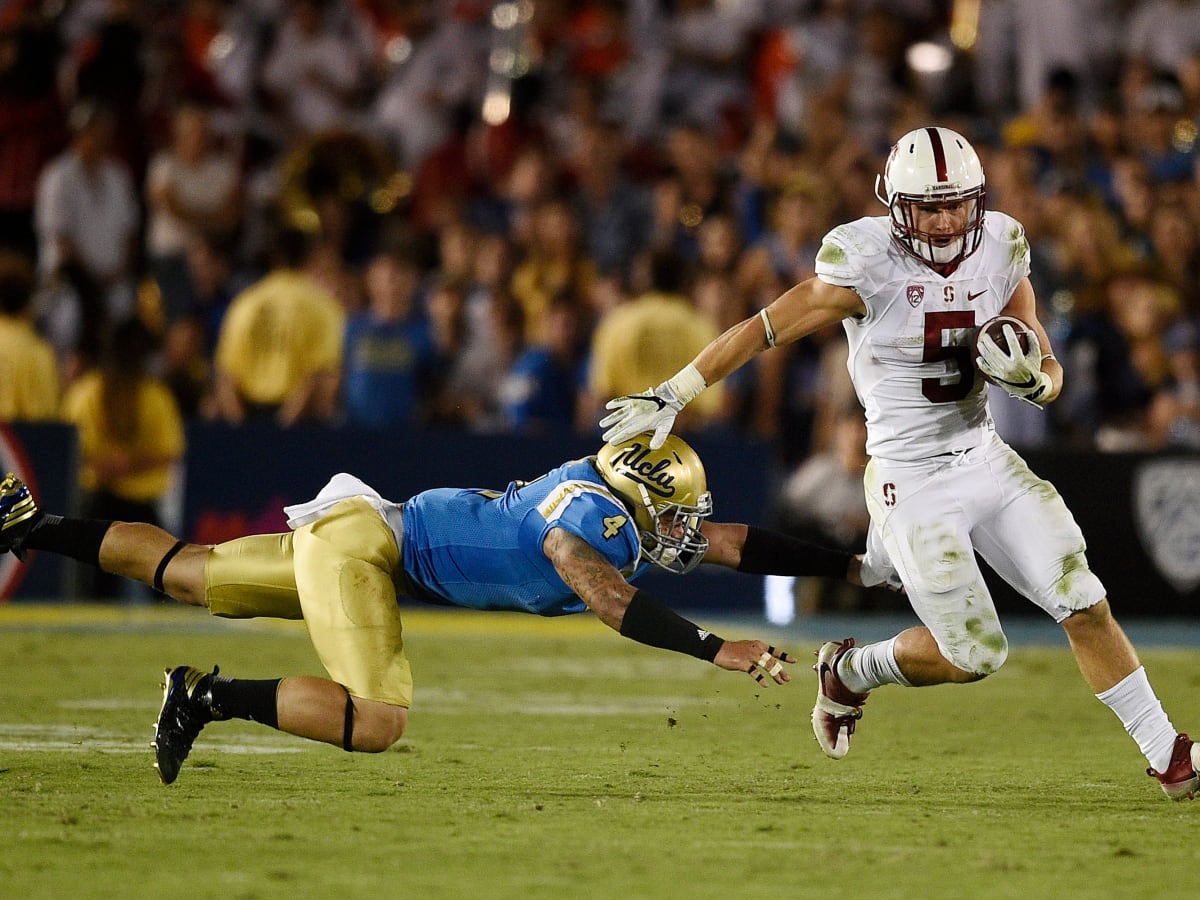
1140,711
863,669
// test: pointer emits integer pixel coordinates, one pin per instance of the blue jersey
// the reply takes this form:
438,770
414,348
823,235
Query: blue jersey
538,392
385,370
483,549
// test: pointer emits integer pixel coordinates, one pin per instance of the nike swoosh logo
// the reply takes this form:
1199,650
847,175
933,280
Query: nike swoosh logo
1032,380
971,296
659,401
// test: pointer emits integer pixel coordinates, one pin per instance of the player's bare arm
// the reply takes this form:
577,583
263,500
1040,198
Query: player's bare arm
592,577
634,614
809,306
727,541
801,310
1023,305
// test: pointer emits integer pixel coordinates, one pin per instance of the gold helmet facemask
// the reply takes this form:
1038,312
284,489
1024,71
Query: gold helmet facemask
667,492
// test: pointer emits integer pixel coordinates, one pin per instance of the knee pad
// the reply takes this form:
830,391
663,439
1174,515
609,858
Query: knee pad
980,647
965,625
1075,589
987,649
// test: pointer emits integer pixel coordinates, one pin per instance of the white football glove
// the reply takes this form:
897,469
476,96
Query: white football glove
1020,374
655,410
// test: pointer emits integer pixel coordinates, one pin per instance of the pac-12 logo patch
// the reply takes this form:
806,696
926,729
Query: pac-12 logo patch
916,293
1166,501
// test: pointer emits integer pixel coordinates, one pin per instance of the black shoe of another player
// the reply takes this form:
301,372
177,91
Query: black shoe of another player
186,709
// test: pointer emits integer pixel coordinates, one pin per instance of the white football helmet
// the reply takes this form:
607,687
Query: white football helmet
667,492
931,167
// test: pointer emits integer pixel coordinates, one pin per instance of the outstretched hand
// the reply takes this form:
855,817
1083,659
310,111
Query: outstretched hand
652,411
863,572
761,661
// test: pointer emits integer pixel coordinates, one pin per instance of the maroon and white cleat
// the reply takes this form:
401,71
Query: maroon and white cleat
1181,781
838,708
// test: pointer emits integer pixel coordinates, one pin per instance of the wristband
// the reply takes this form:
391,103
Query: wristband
687,383
771,553
649,622
770,332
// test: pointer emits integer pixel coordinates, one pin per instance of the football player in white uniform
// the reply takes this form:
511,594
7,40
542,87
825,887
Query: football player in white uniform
910,288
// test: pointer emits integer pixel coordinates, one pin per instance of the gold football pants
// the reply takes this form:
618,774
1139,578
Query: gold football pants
336,574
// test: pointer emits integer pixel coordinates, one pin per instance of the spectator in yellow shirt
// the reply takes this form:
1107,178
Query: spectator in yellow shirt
29,383
638,339
130,434
279,350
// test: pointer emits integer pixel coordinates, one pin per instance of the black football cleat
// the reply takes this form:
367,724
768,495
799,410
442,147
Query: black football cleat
18,514
185,711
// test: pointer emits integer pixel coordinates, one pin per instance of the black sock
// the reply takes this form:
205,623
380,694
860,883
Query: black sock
77,538
245,698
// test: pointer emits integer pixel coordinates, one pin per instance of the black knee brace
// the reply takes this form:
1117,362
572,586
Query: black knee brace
162,565
348,727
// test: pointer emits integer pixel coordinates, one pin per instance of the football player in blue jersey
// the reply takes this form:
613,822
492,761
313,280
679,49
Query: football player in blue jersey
570,540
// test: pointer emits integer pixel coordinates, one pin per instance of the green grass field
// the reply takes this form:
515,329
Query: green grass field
550,758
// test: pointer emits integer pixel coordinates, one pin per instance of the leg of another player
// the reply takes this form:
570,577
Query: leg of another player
1103,652
131,549
135,550
315,708
922,663
911,658
1110,666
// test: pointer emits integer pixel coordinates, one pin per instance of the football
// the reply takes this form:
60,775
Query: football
995,329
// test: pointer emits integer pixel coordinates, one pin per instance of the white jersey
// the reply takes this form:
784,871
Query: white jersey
910,356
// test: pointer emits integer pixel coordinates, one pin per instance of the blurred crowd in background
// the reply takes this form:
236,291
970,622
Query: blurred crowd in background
495,216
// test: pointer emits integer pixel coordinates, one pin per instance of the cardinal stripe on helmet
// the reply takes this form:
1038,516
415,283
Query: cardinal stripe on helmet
939,154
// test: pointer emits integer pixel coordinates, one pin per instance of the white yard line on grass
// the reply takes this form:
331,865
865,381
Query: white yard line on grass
47,738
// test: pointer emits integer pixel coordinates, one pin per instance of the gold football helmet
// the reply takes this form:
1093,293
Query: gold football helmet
667,492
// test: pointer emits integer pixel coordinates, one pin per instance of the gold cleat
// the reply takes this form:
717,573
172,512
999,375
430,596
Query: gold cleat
18,514
185,711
